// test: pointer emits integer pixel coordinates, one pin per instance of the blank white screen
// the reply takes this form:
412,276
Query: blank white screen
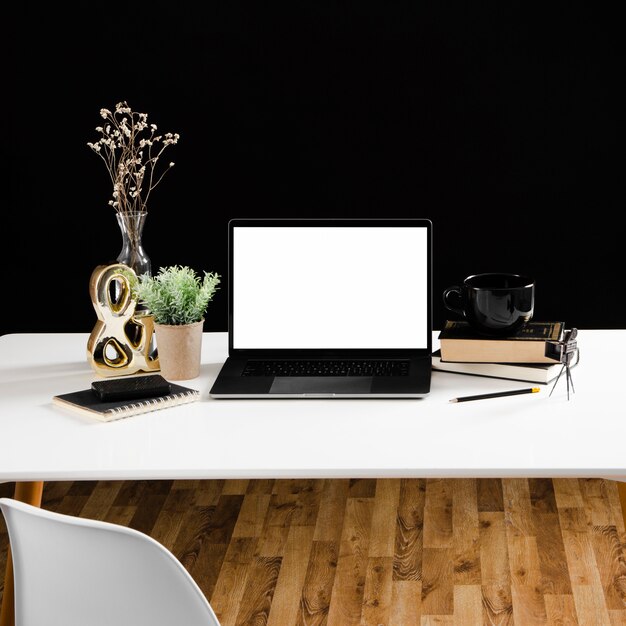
330,287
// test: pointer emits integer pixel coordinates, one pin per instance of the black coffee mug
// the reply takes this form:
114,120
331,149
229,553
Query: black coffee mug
493,304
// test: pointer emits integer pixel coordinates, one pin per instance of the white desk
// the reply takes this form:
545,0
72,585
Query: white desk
529,435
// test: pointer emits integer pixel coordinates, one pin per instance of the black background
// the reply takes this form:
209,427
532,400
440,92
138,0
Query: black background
500,124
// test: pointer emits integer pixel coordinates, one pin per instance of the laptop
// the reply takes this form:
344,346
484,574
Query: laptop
328,308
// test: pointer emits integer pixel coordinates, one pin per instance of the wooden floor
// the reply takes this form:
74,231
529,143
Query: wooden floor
380,552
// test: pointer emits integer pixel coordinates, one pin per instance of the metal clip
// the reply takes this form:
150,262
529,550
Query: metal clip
566,352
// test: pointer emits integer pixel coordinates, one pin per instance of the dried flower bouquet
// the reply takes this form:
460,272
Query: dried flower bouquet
131,149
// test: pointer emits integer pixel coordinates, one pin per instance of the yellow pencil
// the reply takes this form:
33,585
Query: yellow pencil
498,394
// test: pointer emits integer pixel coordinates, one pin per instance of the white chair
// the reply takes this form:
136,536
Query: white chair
70,571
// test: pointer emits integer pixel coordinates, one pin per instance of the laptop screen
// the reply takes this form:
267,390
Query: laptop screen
332,287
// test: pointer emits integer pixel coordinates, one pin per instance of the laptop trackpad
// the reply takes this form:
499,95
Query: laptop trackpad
321,384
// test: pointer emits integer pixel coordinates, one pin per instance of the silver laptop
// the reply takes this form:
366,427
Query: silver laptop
328,308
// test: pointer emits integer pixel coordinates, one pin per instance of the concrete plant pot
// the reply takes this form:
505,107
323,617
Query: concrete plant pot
179,349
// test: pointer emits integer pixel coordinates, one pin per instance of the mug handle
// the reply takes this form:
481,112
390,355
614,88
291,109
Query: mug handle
456,292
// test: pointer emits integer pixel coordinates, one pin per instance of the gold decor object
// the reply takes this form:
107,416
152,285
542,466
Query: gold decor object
121,342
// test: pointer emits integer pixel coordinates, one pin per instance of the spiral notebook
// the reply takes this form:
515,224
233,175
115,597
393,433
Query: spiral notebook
87,403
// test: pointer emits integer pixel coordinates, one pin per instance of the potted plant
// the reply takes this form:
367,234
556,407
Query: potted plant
177,298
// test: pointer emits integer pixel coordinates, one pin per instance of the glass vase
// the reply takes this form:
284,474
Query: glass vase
132,254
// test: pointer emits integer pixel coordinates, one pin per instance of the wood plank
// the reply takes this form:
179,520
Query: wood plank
277,522
208,492
524,561
362,488
318,584
7,490
438,513
208,565
256,600
74,504
86,487
542,497
560,609
252,515
517,506
406,603
466,532
194,527
331,510
407,564
377,593
237,487
567,493
621,494
494,568
590,605
120,514
552,558
345,610
101,499
171,516
526,580
597,505
205,554
468,605
307,507
611,565
494,559
285,607
261,485
130,493
147,512
437,620
221,523
230,586
528,606
383,533
578,549
437,581
489,493
296,486
497,605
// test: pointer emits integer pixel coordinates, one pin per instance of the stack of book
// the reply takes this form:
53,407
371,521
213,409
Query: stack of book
521,356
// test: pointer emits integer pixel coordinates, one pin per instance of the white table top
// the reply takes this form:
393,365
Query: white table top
528,435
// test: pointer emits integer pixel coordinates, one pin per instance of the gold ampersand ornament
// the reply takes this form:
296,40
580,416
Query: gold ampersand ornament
121,341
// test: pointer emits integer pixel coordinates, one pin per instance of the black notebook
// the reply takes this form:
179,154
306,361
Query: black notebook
87,402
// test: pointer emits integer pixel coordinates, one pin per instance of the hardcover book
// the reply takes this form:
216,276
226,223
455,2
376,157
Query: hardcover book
87,403
528,372
460,343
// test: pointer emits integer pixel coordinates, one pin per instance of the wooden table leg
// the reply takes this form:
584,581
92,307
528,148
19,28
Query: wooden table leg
621,489
29,492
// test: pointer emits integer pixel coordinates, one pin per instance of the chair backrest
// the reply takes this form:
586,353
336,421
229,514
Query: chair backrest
70,571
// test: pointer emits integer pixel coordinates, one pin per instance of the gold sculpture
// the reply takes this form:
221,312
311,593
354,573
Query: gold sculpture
121,342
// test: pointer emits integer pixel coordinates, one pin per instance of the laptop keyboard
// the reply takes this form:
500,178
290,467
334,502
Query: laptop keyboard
358,367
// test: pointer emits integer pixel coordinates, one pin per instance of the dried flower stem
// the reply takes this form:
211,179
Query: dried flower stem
126,147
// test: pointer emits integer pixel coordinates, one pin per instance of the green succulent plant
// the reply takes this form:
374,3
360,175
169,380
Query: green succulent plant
176,295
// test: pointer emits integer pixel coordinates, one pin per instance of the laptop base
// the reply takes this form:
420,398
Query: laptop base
231,384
